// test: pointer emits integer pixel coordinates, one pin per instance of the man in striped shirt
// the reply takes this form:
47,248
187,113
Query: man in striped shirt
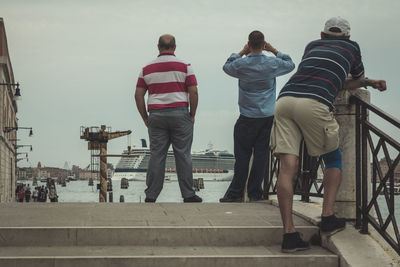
172,103
304,110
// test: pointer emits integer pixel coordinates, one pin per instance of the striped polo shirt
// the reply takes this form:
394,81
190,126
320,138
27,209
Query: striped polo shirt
166,79
325,66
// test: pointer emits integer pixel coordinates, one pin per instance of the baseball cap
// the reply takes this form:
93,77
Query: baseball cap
337,26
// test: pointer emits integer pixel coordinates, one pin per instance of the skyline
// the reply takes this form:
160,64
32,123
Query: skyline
78,61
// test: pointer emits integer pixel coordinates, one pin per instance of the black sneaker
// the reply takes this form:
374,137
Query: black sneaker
331,225
194,198
292,242
149,200
228,199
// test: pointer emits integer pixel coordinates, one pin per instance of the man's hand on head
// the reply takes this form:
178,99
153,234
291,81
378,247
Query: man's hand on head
268,47
245,51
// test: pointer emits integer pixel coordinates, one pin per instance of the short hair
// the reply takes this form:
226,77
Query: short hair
166,43
256,39
327,35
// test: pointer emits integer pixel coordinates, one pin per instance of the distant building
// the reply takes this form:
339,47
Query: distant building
22,175
87,174
75,170
8,111
51,172
385,168
42,172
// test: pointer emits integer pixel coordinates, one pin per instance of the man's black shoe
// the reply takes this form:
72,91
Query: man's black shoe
228,199
292,242
194,198
331,225
149,200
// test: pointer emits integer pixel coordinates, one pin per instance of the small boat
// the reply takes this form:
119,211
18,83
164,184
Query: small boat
71,178
396,189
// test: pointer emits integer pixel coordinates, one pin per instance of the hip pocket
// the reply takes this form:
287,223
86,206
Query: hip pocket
331,135
149,119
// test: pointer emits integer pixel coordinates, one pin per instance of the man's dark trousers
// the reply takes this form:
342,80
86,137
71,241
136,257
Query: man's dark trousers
251,135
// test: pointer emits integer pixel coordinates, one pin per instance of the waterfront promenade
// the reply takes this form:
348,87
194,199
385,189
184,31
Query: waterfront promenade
169,234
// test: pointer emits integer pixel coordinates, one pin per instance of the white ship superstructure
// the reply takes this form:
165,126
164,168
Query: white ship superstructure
209,165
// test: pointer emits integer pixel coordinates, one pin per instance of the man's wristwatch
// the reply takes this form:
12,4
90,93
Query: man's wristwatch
364,82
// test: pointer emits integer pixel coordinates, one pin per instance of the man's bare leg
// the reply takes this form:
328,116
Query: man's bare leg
332,179
329,223
284,188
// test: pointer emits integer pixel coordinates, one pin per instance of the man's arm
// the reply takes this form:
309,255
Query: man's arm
231,67
193,100
140,103
284,63
351,83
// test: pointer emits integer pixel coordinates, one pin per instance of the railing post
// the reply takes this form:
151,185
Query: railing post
267,178
358,167
305,176
345,114
364,172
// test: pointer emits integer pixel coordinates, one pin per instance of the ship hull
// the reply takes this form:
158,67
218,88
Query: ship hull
211,165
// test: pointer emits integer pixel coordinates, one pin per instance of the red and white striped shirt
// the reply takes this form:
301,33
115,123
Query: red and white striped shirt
167,78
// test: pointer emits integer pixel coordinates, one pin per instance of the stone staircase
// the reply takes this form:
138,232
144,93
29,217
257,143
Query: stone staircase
220,243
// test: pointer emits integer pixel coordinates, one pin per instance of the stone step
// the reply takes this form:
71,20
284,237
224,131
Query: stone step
166,256
147,236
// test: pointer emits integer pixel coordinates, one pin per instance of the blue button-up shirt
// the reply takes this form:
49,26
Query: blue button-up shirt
257,81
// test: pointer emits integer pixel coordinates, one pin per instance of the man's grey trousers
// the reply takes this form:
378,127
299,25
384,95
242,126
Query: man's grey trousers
170,126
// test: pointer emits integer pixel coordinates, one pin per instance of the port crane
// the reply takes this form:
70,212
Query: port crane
97,141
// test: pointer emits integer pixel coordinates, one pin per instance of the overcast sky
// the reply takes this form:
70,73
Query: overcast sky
78,61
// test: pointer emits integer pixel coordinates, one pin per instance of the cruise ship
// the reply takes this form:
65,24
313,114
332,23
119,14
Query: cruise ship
211,165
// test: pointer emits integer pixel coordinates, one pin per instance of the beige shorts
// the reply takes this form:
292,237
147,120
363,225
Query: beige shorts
297,118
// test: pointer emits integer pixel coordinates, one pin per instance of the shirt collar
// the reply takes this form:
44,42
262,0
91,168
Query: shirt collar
166,54
255,54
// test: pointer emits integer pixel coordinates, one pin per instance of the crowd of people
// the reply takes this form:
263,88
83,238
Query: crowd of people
24,193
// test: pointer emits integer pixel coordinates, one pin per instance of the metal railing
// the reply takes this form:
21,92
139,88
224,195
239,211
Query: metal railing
307,182
376,206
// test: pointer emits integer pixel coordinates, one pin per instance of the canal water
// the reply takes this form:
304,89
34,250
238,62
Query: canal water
80,191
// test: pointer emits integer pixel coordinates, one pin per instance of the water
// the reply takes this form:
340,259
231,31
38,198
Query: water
79,191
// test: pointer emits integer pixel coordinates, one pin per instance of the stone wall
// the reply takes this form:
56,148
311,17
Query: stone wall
8,110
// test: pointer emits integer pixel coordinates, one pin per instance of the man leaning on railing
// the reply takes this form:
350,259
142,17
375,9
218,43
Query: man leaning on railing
305,110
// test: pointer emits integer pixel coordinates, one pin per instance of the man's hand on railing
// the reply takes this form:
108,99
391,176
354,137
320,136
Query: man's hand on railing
351,83
377,84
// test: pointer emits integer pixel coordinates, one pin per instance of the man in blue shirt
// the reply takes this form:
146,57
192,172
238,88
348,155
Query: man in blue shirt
257,93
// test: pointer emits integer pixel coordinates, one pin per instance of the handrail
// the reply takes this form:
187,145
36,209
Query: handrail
368,208
357,100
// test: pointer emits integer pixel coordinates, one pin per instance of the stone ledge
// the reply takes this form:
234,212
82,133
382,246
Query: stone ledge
353,248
